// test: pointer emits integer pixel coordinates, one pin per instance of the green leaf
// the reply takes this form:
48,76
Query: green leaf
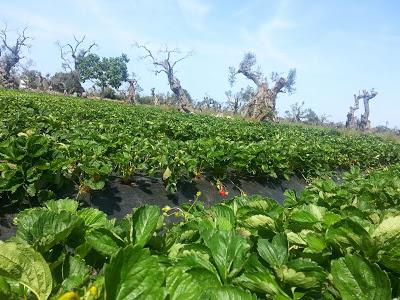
259,282
229,293
43,228
308,214
331,218
103,241
223,216
132,273
62,204
31,190
26,266
276,252
349,233
389,255
5,289
296,238
75,272
37,145
387,230
303,273
94,218
315,242
229,252
195,259
257,221
94,184
144,224
356,278
182,284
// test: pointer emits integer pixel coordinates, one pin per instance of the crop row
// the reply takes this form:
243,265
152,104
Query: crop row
46,141
333,241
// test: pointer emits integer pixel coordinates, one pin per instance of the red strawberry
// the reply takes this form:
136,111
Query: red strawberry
222,191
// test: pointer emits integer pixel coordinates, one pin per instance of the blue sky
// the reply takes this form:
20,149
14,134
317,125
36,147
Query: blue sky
338,47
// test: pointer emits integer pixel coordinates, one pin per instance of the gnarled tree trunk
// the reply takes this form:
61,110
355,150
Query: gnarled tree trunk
71,55
11,56
155,97
179,92
351,119
132,91
365,123
166,65
263,104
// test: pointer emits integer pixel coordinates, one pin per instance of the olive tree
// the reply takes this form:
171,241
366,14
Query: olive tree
34,80
262,106
209,104
364,123
106,72
72,53
11,53
133,89
71,56
164,62
297,112
236,101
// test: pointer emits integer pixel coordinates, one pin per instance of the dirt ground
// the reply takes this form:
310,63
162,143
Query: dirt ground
118,199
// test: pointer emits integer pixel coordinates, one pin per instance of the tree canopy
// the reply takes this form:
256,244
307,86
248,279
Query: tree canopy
106,71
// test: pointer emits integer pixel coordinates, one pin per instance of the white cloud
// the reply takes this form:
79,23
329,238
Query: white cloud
264,41
194,12
43,27
98,9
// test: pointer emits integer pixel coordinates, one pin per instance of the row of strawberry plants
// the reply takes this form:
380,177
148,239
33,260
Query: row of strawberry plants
333,241
47,140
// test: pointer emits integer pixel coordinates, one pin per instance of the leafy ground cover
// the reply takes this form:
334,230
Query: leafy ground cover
332,241
47,140
338,239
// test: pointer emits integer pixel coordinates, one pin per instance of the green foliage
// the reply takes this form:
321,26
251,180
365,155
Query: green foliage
275,253
106,71
24,265
332,241
134,274
143,224
47,141
356,278
28,165
32,78
75,271
43,228
69,82
228,251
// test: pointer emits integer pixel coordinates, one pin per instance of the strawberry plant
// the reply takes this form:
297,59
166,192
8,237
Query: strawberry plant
90,140
29,167
335,240
332,241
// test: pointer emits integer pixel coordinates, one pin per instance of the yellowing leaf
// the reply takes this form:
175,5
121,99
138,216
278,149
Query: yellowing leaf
389,228
23,264
167,174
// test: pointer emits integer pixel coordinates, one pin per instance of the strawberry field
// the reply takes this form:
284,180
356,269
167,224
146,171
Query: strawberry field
338,239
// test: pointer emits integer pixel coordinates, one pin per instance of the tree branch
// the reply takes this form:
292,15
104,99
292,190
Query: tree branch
19,43
74,51
190,53
164,63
